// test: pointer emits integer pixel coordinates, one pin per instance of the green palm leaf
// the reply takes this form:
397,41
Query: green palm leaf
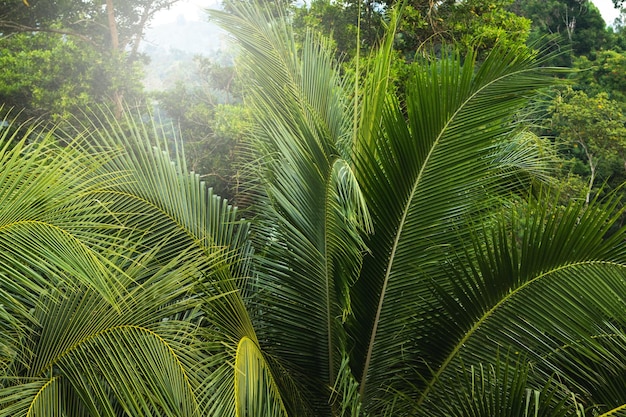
110,246
314,213
503,389
40,186
545,290
422,180
141,368
255,390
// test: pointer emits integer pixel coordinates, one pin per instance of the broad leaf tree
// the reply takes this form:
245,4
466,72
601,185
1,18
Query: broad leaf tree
571,27
469,24
592,130
98,42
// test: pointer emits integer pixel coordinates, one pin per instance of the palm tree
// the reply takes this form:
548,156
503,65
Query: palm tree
401,272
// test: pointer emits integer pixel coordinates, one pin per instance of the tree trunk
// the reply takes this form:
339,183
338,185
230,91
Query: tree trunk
115,51
145,16
592,168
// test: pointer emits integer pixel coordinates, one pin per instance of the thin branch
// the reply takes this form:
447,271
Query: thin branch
23,28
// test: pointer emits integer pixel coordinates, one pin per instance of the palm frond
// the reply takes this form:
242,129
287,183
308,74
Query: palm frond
142,370
431,168
47,198
256,392
503,389
109,245
315,212
548,281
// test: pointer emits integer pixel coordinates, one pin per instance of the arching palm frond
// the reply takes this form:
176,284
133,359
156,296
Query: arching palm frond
549,285
105,308
311,223
429,170
255,390
503,388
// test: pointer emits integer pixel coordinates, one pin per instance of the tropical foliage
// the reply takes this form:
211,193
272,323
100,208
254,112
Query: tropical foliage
108,256
406,255
52,78
210,117
433,304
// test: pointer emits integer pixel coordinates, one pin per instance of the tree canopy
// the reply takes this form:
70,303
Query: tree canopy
61,57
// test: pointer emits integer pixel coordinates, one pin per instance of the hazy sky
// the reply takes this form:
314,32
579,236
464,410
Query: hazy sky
193,10
609,13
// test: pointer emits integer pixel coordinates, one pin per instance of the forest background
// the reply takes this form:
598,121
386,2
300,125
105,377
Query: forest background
59,59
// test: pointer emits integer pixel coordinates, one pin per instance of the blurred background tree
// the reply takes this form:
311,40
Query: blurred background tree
591,132
212,120
468,23
60,57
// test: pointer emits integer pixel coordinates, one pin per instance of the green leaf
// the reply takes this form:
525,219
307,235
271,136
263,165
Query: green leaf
256,392
432,166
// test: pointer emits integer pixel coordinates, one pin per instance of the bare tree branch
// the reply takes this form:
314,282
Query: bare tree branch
13,26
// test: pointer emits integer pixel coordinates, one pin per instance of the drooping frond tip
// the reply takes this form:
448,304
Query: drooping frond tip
256,392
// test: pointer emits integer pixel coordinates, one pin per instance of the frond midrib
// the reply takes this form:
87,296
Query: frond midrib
492,310
39,393
327,221
402,222
613,411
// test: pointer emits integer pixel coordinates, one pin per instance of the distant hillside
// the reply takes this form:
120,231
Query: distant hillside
171,48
